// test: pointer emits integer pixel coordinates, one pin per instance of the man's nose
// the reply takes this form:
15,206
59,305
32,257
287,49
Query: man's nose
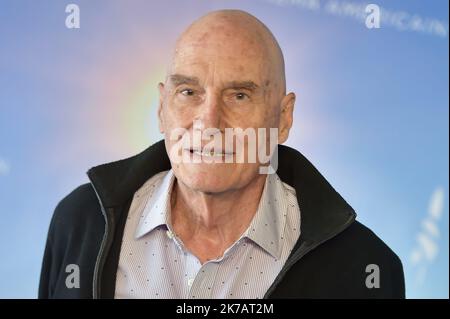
211,111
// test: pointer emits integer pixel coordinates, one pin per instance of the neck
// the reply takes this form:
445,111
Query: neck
214,220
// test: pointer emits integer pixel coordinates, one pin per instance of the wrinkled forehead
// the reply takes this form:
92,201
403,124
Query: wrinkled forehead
223,55
219,68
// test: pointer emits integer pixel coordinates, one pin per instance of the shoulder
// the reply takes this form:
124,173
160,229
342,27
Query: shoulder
77,198
79,209
358,237
77,202
358,246
344,267
355,256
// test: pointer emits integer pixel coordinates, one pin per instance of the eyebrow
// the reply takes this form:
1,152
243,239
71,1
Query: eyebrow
248,85
179,79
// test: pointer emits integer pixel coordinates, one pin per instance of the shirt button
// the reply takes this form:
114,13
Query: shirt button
169,234
190,282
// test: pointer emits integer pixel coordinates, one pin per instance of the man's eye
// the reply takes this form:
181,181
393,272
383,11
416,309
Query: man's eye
241,96
187,92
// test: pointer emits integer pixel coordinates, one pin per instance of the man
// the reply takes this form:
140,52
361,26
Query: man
213,226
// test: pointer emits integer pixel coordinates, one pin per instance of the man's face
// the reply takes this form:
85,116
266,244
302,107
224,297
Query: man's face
223,82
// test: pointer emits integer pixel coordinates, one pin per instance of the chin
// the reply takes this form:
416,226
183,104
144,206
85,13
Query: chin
207,178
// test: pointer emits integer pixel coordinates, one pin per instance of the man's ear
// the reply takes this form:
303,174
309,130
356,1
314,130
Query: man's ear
286,117
160,106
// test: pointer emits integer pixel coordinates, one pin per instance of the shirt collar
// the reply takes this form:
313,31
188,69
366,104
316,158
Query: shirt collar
267,226
157,210
265,229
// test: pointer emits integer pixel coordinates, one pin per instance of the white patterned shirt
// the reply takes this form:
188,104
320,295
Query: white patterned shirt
154,263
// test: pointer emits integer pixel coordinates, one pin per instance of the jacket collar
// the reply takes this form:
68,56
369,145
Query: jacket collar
324,212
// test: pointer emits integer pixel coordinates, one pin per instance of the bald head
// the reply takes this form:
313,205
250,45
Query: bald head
238,35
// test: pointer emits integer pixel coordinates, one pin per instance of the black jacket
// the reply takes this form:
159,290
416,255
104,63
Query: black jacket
329,259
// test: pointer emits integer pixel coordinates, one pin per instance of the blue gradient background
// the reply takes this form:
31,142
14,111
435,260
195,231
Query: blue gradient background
371,114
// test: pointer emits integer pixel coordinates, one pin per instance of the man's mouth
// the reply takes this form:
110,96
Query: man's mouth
210,152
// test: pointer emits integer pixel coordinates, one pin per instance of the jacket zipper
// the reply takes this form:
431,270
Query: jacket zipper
96,283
